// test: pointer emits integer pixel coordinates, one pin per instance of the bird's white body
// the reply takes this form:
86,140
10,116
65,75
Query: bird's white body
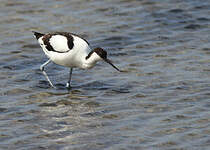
74,58
69,50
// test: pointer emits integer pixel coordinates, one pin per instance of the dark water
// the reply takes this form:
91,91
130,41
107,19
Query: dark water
161,102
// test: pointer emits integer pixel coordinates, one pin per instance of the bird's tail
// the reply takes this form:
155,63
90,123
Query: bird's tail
37,34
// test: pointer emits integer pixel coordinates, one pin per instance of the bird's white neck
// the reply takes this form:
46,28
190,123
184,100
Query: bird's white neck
91,61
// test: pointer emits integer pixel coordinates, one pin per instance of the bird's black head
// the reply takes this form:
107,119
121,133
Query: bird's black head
99,51
103,54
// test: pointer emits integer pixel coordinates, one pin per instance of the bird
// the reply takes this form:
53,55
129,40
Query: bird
69,50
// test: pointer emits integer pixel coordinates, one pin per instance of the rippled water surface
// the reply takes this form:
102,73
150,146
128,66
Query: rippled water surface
161,101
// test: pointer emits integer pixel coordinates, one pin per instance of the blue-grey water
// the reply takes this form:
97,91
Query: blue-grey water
160,102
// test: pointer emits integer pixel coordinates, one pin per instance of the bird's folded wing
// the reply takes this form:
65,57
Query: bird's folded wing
58,43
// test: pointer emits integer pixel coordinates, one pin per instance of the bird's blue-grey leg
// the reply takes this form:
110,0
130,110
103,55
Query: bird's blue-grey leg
68,84
45,74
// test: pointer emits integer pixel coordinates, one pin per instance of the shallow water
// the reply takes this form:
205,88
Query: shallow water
160,102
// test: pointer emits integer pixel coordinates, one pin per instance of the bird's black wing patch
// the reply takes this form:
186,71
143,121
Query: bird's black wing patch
49,47
46,41
69,37
67,34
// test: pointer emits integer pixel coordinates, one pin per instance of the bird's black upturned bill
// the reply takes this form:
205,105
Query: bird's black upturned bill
109,62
